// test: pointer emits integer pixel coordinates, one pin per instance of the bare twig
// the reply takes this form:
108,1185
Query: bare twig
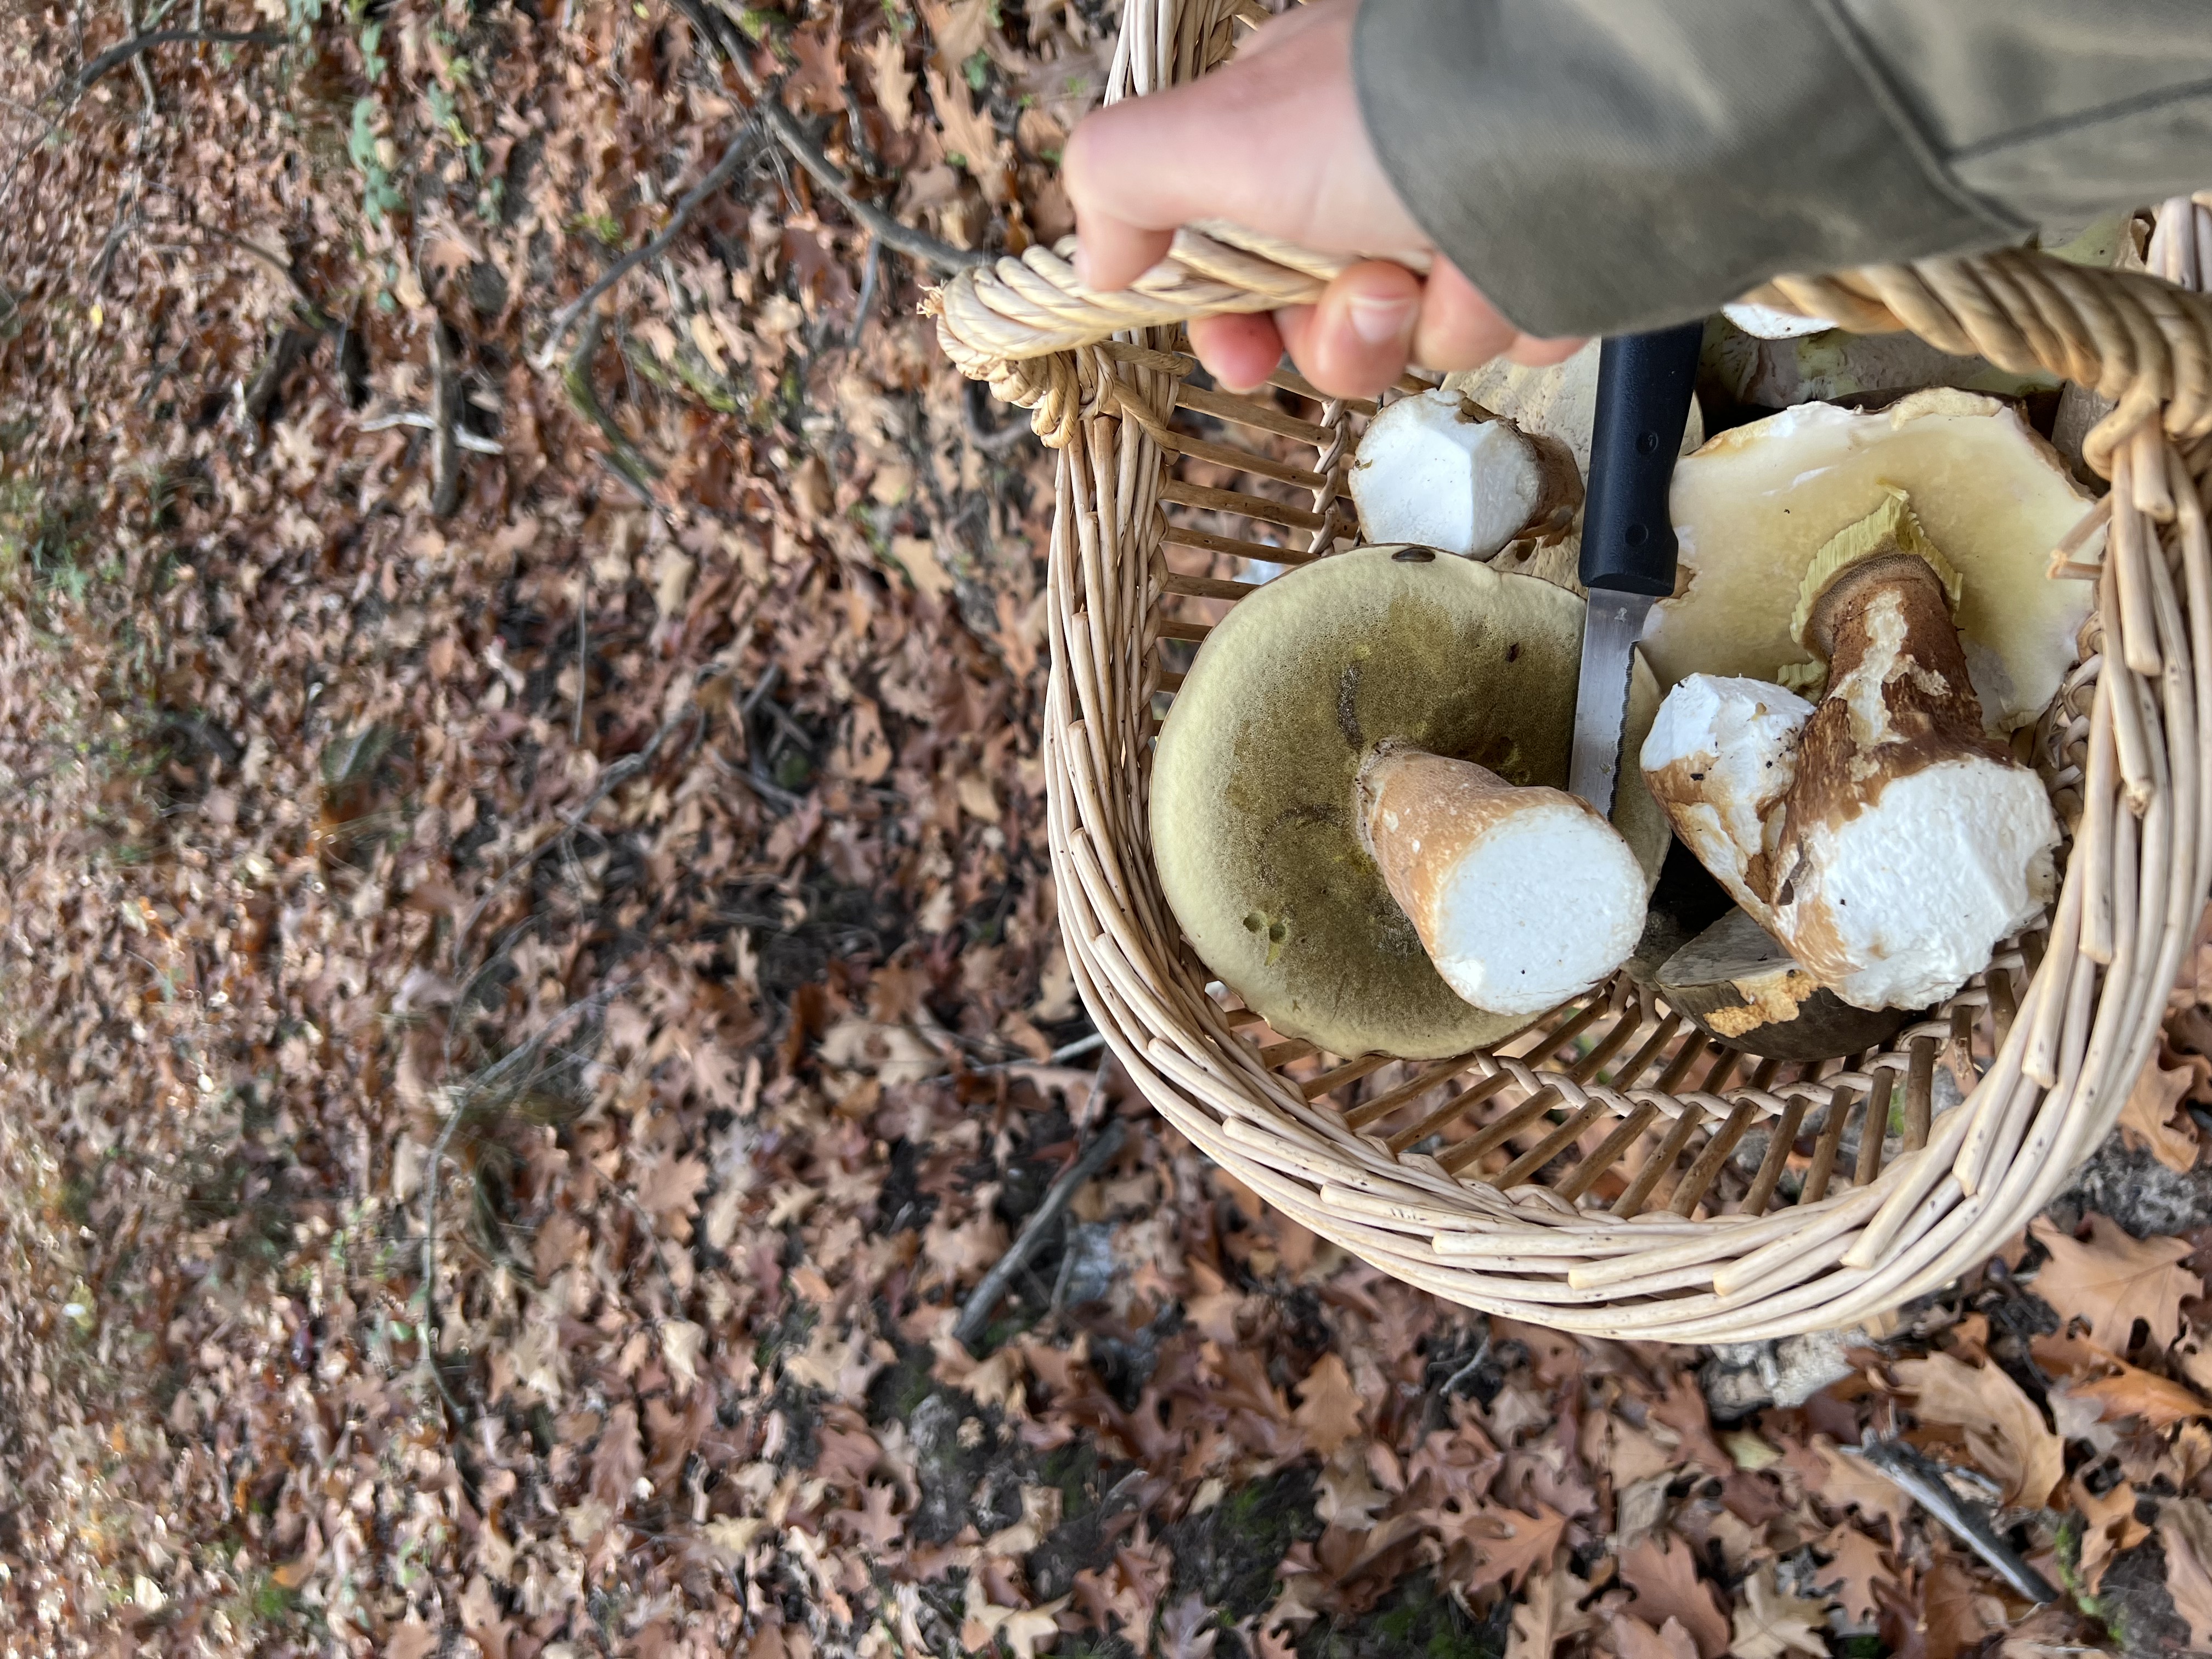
1060,1056
446,411
625,458
871,272
116,57
475,442
740,148
612,778
975,1312
1923,1483
894,234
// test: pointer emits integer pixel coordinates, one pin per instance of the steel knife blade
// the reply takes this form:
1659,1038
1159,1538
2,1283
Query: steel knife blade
1643,387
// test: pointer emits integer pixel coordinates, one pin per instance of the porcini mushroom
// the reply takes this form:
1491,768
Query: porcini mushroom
1753,506
1882,836
1406,667
1436,470
1522,896
1735,981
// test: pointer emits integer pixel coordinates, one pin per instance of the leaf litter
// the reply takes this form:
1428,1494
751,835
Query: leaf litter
534,990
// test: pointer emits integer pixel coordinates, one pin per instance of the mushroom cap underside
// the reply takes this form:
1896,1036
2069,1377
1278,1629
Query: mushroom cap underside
1755,505
1254,829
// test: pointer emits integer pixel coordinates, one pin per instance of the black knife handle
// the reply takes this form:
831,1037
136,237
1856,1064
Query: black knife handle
1643,386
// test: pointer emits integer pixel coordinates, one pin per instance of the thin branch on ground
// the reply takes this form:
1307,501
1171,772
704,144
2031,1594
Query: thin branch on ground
739,152
475,442
975,1312
612,778
626,460
115,57
893,232
1921,1481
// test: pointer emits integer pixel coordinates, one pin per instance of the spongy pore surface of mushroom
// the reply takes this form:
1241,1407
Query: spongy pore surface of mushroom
1255,829
1754,506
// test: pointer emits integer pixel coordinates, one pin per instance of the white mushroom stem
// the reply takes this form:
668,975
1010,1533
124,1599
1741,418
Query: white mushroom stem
1435,471
1523,898
1881,836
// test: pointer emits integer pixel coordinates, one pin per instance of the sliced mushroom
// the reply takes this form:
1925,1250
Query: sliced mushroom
1258,823
1753,507
1434,470
1523,897
1882,836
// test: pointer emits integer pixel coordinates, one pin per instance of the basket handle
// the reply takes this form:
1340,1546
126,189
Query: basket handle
1033,330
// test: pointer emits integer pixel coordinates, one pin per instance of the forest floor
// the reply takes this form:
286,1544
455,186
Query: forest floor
532,994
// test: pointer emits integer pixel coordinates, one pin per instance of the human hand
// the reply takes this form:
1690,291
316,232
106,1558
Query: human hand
1273,141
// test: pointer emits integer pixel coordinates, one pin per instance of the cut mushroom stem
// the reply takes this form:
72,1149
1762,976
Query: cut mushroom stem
1882,836
1435,470
1523,897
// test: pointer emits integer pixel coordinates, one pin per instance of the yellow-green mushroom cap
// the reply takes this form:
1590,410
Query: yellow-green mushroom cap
1253,825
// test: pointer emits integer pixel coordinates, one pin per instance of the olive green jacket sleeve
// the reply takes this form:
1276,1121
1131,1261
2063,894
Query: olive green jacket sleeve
1604,165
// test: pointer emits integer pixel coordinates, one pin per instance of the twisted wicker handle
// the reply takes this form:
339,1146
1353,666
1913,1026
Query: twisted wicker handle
1031,328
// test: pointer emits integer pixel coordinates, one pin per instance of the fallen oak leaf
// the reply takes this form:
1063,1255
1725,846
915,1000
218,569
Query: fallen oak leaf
2109,1528
1662,1570
1771,1623
1514,1544
1855,1565
1550,1614
2005,1432
1634,1639
2147,1118
2115,1280
1329,1409
2184,1529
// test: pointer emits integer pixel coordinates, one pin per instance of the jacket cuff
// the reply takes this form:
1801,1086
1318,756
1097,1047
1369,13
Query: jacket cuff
1601,167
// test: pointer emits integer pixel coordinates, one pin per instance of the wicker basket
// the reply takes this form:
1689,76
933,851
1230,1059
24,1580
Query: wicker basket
1612,1172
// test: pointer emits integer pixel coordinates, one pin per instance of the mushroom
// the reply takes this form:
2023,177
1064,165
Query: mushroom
1437,471
1523,897
1753,507
1735,982
1349,693
1882,836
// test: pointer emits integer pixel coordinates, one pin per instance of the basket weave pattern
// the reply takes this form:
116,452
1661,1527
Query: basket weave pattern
1612,1172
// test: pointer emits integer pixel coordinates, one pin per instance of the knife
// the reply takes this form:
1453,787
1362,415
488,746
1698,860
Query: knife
1643,385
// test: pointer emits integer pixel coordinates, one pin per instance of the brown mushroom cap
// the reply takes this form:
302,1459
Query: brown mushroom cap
1254,826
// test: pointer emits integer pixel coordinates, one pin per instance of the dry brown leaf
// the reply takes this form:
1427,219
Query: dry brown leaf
618,1460
1771,1623
1511,1545
2149,1118
669,1186
483,1618
1857,1564
2184,1528
891,78
1662,1570
2109,1528
2130,1391
410,1638
957,30
1957,1615
2004,1430
2115,1280
1329,1407
1550,1614
969,138
1634,1639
